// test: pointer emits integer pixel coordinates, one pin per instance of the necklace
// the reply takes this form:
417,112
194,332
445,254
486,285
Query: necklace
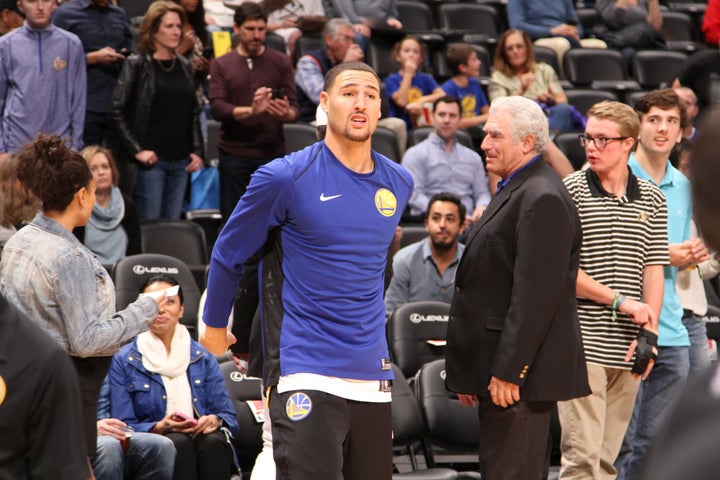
164,68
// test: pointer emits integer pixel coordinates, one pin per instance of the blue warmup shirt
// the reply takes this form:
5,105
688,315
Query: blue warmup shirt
323,232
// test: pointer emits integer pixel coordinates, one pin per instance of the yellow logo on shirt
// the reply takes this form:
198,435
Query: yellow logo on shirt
385,202
59,64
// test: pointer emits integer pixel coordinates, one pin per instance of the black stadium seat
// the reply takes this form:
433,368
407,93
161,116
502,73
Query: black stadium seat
416,334
131,272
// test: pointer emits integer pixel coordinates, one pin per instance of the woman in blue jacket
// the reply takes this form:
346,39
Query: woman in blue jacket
166,383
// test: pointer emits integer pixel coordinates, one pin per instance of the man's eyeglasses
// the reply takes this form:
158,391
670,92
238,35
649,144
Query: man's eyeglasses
600,142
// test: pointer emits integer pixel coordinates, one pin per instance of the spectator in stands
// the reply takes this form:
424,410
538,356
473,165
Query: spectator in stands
365,15
551,23
156,114
10,16
104,30
619,292
689,283
690,103
113,229
631,24
217,16
40,415
181,391
285,21
463,62
195,37
57,282
338,47
701,74
243,83
18,206
661,122
145,456
42,80
711,23
426,269
409,90
517,73
440,163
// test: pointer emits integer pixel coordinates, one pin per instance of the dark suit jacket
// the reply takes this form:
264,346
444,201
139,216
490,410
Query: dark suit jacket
514,313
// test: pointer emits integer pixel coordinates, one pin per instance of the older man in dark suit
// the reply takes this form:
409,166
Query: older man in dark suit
514,344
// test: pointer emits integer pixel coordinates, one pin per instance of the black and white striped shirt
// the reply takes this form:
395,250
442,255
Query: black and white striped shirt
621,235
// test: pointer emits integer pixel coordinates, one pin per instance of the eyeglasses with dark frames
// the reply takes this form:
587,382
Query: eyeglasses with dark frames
600,142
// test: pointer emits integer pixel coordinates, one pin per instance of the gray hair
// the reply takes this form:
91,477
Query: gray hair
333,26
527,119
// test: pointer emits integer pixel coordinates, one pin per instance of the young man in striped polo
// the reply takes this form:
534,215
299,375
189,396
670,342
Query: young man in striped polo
619,289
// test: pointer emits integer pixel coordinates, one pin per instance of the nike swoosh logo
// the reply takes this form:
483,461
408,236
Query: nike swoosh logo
323,198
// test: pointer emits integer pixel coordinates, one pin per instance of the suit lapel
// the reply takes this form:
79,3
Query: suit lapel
501,199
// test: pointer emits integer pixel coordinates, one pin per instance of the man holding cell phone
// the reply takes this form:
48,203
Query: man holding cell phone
252,92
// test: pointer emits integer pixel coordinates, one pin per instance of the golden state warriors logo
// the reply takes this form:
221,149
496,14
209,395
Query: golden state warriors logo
385,202
298,406
468,106
3,390
414,94
59,64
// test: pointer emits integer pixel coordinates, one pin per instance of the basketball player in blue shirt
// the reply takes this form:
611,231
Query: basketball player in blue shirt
322,219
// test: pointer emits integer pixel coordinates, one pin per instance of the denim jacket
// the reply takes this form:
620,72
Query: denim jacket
57,282
138,397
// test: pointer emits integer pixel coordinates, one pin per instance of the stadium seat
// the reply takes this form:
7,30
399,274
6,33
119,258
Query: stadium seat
408,430
582,99
246,395
569,144
385,142
452,429
416,17
597,69
182,239
298,135
680,33
657,68
416,334
478,23
131,272
379,55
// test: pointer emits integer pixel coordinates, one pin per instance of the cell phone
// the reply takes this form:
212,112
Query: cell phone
571,22
125,52
181,417
278,93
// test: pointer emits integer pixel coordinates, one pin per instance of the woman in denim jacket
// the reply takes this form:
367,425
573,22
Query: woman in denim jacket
57,282
166,383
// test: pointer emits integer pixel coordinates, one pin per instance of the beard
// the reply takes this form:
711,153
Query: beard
442,246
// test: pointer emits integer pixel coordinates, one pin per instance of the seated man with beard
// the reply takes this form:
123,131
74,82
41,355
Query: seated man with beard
426,270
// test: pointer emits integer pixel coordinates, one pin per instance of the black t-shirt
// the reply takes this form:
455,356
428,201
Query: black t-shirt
169,131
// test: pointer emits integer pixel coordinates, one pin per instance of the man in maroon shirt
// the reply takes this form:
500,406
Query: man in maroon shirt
252,92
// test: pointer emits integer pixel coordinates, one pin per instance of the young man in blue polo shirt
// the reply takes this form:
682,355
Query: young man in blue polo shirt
662,120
